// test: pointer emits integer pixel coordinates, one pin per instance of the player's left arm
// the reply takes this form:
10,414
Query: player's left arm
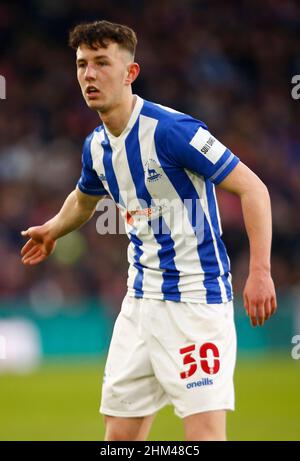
259,292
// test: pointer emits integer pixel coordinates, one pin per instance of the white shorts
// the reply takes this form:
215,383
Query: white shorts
164,352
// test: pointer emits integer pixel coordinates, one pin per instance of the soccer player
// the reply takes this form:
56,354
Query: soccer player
174,339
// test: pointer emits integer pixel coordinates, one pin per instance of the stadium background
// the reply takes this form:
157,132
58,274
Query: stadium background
229,64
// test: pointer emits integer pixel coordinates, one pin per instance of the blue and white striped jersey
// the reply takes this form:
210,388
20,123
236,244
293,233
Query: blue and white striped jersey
161,173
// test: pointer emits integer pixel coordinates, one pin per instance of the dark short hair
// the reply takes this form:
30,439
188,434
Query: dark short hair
101,33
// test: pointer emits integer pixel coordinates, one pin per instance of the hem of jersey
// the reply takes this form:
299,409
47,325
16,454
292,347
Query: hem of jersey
185,299
88,192
132,414
194,411
226,171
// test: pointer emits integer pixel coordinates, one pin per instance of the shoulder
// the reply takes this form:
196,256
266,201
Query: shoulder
94,136
163,114
169,119
159,111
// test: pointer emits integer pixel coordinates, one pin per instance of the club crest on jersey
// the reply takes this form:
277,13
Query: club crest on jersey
151,170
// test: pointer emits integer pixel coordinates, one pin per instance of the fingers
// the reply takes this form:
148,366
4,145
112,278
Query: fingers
246,303
35,258
261,314
256,314
27,247
253,314
37,248
34,252
268,309
259,297
251,309
273,304
261,311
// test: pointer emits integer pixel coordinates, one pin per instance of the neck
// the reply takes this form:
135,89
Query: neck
117,118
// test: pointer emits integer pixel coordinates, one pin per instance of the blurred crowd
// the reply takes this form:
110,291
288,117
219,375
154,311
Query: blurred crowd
229,64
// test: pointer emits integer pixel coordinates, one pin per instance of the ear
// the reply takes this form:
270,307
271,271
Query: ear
133,70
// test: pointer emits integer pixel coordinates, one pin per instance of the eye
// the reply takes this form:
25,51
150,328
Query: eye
101,64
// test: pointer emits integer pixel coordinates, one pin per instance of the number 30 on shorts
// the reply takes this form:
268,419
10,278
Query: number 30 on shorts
188,359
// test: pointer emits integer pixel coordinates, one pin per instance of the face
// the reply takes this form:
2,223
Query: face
104,74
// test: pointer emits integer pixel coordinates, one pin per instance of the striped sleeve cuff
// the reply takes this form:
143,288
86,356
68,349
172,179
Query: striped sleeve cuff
100,191
225,169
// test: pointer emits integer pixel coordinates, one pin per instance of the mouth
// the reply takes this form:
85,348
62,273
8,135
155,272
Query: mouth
91,92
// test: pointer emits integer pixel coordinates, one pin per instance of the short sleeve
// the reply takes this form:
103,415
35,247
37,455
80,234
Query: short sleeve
89,182
192,146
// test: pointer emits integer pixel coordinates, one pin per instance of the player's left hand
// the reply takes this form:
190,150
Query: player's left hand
259,297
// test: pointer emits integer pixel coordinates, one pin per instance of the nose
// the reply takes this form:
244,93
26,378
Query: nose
90,73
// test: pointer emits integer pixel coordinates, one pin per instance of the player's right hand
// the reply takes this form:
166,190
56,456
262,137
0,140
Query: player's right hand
38,247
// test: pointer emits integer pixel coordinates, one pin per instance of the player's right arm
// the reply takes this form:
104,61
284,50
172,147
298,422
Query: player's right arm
77,209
